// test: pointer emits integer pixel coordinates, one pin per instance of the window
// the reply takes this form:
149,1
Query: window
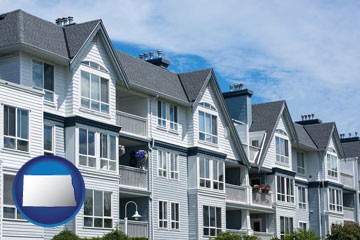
218,175
162,114
9,209
43,77
332,165
48,140
300,163
173,118
208,127
175,217
97,209
162,164
94,92
335,200
211,174
303,225
94,65
255,143
108,152
285,189
207,105
282,150
163,220
302,197
174,166
211,220
87,148
286,226
16,128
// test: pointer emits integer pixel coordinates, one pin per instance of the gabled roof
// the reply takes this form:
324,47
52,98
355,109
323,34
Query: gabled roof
193,82
321,135
352,149
304,138
265,117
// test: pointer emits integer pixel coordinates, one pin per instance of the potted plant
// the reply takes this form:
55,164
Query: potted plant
256,187
141,157
121,150
265,188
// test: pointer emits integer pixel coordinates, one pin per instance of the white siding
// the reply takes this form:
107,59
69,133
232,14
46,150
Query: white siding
10,68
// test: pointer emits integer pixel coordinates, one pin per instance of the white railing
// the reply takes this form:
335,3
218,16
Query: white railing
133,177
253,153
236,193
135,228
260,198
347,180
132,123
349,213
264,235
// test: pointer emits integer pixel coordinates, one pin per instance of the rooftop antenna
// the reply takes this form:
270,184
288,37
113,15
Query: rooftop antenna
356,133
141,56
309,116
145,56
151,54
159,53
312,116
231,88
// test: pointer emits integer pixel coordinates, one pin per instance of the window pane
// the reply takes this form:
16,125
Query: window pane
112,147
88,222
201,122
205,216
48,77
95,87
108,223
9,121
218,217
159,109
85,84
9,212
215,173
98,222
23,145
98,203
91,139
8,183
207,123
107,204
104,90
202,167
88,203
23,124
207,168
212,217
83,141
48,138
37,74
214,126
103,146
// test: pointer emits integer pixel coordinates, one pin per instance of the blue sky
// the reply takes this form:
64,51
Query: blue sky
306,52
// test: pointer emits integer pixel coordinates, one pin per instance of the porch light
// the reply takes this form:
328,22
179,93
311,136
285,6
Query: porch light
136,215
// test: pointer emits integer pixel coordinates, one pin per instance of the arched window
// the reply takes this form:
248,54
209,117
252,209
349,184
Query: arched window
280,131
207,105
94,65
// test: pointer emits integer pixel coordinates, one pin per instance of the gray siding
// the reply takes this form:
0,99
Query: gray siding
10,68
240,108
314,221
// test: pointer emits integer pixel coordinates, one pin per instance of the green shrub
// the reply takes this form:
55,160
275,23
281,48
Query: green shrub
349,231
231,236
115,235
138,238
66,235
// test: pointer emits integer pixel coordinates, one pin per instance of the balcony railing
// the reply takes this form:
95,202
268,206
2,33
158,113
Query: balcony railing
347,180
264,235
253,153
133,177
135,228
260,198
132,124
349,213
236,193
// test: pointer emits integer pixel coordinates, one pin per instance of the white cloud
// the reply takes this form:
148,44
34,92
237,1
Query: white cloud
306,52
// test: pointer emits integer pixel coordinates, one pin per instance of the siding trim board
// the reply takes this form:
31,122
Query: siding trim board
54,118
283,171
72,121
299,182
198,150
326,184
170,146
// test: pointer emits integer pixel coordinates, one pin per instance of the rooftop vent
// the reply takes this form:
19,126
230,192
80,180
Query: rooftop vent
308,119
65,21
2,16
350,138
236,87
159,61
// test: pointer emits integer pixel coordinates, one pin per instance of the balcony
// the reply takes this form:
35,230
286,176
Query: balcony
135,228
132,124
347,180
236,193
349,214
131,177
262,199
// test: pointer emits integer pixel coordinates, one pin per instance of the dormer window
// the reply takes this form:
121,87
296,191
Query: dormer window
43,78
332,165
208,129
282,146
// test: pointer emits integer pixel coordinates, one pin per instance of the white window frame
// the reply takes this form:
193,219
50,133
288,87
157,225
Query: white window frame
175,220
49,94
212,230
17,138
282,144
103,217
300,163
161,113
331,162
108,163
162,163
302,196
302,224
52,151
173,118
285,194
286,226
335,200
87,156
174,166
102,104
17,214
163,218
208,180
207,134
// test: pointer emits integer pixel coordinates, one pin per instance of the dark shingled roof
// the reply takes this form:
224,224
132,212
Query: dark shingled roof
23,28
352,149
320,133
191,82
304,138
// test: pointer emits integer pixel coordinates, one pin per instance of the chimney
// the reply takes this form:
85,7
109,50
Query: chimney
238,102
159,61
308,119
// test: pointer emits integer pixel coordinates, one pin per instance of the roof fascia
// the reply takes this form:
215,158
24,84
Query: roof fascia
335,135
202,90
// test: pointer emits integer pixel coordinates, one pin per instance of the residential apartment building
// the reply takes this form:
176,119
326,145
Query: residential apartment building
169,145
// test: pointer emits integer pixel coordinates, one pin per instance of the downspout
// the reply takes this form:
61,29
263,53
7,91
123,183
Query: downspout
322,198
356,184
